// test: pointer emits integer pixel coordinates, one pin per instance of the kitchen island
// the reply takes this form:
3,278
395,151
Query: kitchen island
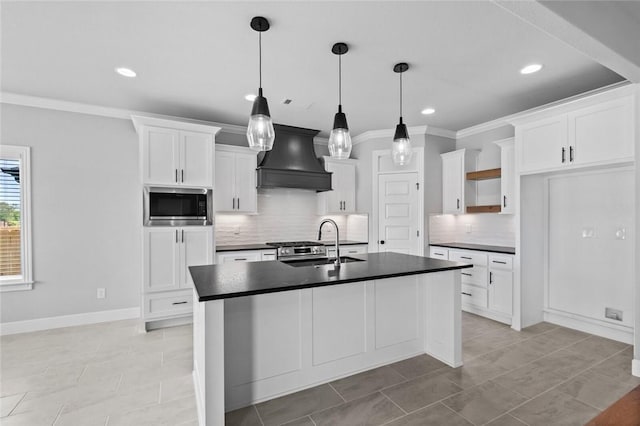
266,329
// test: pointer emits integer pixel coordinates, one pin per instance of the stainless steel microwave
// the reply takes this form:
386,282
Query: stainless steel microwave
177,206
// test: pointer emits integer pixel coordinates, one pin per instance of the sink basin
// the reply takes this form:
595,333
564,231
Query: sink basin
319,262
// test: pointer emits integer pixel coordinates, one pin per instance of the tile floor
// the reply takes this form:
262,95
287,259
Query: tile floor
112,374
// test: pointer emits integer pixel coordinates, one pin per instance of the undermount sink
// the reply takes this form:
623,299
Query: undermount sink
319,262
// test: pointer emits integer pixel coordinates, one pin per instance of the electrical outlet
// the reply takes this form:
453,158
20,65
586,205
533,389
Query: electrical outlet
102,293
613,314
236,230
469,228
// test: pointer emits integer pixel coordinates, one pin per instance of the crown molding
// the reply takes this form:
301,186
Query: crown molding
509,119
415,130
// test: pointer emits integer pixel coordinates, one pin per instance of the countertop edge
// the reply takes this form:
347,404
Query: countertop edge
260,246
477,247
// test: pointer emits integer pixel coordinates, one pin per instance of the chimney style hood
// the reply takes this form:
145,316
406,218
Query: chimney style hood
292,163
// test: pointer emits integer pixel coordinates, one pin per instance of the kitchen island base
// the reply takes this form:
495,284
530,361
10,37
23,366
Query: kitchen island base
255,348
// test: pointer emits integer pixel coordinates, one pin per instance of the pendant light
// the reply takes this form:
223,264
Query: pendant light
260,132
401,151
340,139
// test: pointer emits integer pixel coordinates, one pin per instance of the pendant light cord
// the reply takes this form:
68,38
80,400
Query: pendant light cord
260,60
400,97
339,79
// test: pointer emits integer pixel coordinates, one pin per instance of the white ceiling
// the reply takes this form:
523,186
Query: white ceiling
199,59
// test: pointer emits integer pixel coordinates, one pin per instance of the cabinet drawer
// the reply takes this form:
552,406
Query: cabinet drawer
476,258
240,256
352,250
269,255
168,303
474,296
501,262
439,253
476,276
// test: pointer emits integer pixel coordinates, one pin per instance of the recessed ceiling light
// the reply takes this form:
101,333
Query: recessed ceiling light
530,69
126,72
428,111
250,97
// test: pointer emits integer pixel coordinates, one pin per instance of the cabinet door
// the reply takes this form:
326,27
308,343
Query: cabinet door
346,186
508,179
439,253
603,132
161,259
452,183
196,246
245,186
543,144
225,181
501,291
160,156
196,159
334,197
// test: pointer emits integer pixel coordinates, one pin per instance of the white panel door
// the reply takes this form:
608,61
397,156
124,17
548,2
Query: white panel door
591,260
225,181
396,311
398,221
543,144
196,246
160,150
245,185
196,158
501,291
161,258
602,132
339,322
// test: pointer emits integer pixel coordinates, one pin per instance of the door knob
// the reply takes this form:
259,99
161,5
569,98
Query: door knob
381,241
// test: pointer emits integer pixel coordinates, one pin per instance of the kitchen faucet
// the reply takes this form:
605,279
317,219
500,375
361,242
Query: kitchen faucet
337,261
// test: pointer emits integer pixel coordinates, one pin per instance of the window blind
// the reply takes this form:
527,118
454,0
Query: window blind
10,218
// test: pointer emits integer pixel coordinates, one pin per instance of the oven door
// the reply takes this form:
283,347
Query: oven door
177,206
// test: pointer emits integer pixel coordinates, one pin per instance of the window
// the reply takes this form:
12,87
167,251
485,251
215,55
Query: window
15,218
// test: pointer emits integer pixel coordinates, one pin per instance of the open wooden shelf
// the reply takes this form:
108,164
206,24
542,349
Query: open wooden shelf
484,209
484,174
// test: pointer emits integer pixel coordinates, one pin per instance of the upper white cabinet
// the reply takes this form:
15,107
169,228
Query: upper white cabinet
595,131
342,199
508,175
235,174
456,191
175,153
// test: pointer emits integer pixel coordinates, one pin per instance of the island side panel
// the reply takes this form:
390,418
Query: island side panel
208,361
443,311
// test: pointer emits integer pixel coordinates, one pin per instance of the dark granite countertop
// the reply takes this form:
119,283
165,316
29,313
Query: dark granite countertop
477,247
239,279
258,246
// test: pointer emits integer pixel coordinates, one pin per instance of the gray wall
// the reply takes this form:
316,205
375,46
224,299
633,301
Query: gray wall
86,212
479,140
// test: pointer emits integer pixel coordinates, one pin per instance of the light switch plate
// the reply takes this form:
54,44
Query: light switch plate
102,293
588,232
468,228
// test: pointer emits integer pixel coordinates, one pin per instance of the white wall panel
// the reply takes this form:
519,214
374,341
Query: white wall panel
396,310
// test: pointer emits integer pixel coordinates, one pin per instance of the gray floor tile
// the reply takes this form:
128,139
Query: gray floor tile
565,363
491,341
530,380
422,391
299,404
541,327
514,356
436,414
506,420
169,414
362,384
475,372
305,421
374,409
597,348
554,408
246,416
8,403
616,367
484,403
418,366
597,390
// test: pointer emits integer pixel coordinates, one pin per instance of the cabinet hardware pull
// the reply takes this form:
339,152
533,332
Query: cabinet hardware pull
563,154
499,261
179,303
465,257
504,201
439,254
183,235
457,203
182,175
176,235
571,154
234,203
381,241
238,203
490,277
240,258
466,294
176,175
352,251
466,273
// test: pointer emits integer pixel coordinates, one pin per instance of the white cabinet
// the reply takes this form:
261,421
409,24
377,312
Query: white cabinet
439,253
168,252
245,256
348,250
175,153
507,176
501,284
456,191
342,199
235,174
593,132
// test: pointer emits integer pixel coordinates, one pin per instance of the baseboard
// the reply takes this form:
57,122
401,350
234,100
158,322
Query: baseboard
635,367
38,324
486,313
170,322
609,331
199,397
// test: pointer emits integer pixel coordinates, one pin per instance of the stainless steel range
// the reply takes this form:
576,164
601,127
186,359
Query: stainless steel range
289,250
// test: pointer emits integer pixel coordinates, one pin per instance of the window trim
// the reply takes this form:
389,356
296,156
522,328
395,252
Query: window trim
25,282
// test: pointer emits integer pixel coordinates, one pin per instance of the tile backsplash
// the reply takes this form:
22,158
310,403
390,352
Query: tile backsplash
286,215
490,229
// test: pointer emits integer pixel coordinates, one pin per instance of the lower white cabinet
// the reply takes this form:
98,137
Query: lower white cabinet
487,288
245,256
347,250
168,252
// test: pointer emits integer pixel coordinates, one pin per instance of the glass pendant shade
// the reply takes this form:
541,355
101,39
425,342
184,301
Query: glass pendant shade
340,139
401,151
260,131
